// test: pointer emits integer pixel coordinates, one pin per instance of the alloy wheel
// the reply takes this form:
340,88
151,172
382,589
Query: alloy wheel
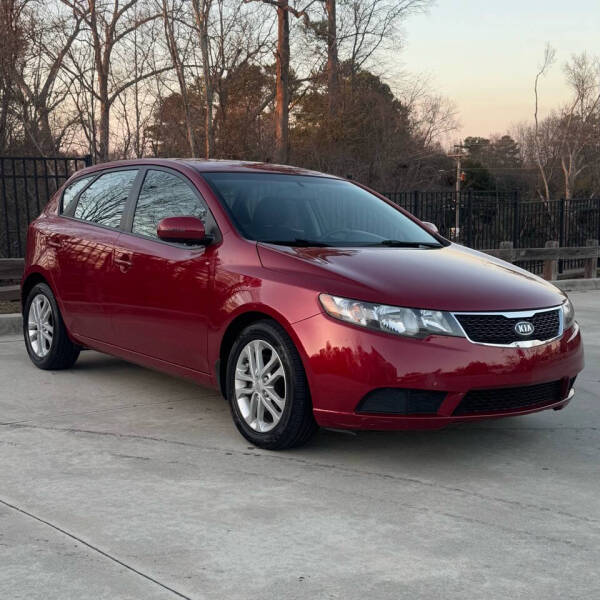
40,325
260,385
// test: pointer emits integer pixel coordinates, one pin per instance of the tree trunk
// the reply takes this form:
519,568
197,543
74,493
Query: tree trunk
568,177
4,108
282,83
103,149
103,133
202,15
47,142
178,66
209,94
332,58
568,189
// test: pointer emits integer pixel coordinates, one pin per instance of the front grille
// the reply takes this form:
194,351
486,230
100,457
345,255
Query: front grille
507,399
398,401
498,329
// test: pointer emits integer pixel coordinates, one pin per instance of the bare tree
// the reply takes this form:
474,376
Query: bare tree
549,57
431,116
241,41
282,72
332,58
109,25
282,83
559,142
11,52
39,88
579,124
170,14
227,39
367,24
202,10
134,108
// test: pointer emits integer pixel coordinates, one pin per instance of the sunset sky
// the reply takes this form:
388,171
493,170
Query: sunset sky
484,55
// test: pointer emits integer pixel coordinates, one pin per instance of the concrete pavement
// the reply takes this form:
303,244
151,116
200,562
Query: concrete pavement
119,482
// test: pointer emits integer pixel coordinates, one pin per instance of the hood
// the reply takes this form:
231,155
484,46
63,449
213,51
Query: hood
451,278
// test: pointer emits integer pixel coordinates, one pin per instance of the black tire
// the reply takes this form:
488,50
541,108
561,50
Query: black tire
297,424
63,352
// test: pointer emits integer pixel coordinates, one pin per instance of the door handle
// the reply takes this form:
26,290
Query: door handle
123,260
54,241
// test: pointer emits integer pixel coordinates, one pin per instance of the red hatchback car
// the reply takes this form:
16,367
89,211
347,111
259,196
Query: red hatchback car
307,299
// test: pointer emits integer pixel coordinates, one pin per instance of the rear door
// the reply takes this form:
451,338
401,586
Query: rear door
85,245
160,293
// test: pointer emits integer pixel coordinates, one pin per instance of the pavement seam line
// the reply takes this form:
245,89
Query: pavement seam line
94,548
97,411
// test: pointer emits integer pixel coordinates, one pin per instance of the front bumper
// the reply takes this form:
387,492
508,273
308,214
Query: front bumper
344,363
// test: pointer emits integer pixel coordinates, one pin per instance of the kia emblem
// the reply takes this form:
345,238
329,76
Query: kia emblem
524,328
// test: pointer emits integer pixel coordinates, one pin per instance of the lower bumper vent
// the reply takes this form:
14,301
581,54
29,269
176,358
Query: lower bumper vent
398,401
507,399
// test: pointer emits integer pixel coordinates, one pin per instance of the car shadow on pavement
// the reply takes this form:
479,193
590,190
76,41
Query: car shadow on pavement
198,415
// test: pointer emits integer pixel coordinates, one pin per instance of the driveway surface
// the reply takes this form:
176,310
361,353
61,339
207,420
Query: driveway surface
118,482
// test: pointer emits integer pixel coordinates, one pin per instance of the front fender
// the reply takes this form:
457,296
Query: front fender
246,304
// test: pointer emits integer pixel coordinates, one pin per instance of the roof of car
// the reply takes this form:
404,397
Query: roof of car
203,165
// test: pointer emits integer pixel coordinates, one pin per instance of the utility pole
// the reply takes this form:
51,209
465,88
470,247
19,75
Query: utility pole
458,155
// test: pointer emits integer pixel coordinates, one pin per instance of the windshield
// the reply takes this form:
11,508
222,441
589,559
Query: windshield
301,210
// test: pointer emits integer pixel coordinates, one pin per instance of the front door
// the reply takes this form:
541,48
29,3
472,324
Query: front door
160,290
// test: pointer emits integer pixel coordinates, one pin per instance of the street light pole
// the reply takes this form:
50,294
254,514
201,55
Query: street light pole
458,155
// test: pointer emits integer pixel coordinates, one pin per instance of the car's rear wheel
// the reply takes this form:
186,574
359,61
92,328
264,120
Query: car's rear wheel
46,338
267,388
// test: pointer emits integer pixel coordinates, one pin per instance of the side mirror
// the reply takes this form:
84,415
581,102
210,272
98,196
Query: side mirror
430,226
185,230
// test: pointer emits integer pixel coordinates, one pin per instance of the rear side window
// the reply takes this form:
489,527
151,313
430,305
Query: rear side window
70,193
104,200
165,195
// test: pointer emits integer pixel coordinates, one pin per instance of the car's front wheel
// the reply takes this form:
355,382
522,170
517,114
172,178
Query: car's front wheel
46,338
267,388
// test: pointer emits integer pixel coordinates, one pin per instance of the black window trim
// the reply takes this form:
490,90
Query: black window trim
98,174
132,200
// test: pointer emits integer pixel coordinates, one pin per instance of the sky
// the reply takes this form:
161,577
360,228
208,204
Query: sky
484,55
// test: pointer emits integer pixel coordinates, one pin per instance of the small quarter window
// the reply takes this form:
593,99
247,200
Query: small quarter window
70,193
165,195
104,200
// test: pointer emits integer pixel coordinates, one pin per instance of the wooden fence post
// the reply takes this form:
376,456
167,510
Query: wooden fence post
11,269
508,254
590,269
551,265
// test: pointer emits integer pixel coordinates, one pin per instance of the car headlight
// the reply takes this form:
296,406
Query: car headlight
410,322
568,314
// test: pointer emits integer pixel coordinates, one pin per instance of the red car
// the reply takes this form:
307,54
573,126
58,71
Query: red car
306,299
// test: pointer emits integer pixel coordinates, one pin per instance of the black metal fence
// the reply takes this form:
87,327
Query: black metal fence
486,219
26,185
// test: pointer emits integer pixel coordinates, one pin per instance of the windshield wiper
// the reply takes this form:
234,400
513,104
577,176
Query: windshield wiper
401,244
299,242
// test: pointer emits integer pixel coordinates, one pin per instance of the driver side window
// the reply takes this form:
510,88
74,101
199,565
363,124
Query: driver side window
164,195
